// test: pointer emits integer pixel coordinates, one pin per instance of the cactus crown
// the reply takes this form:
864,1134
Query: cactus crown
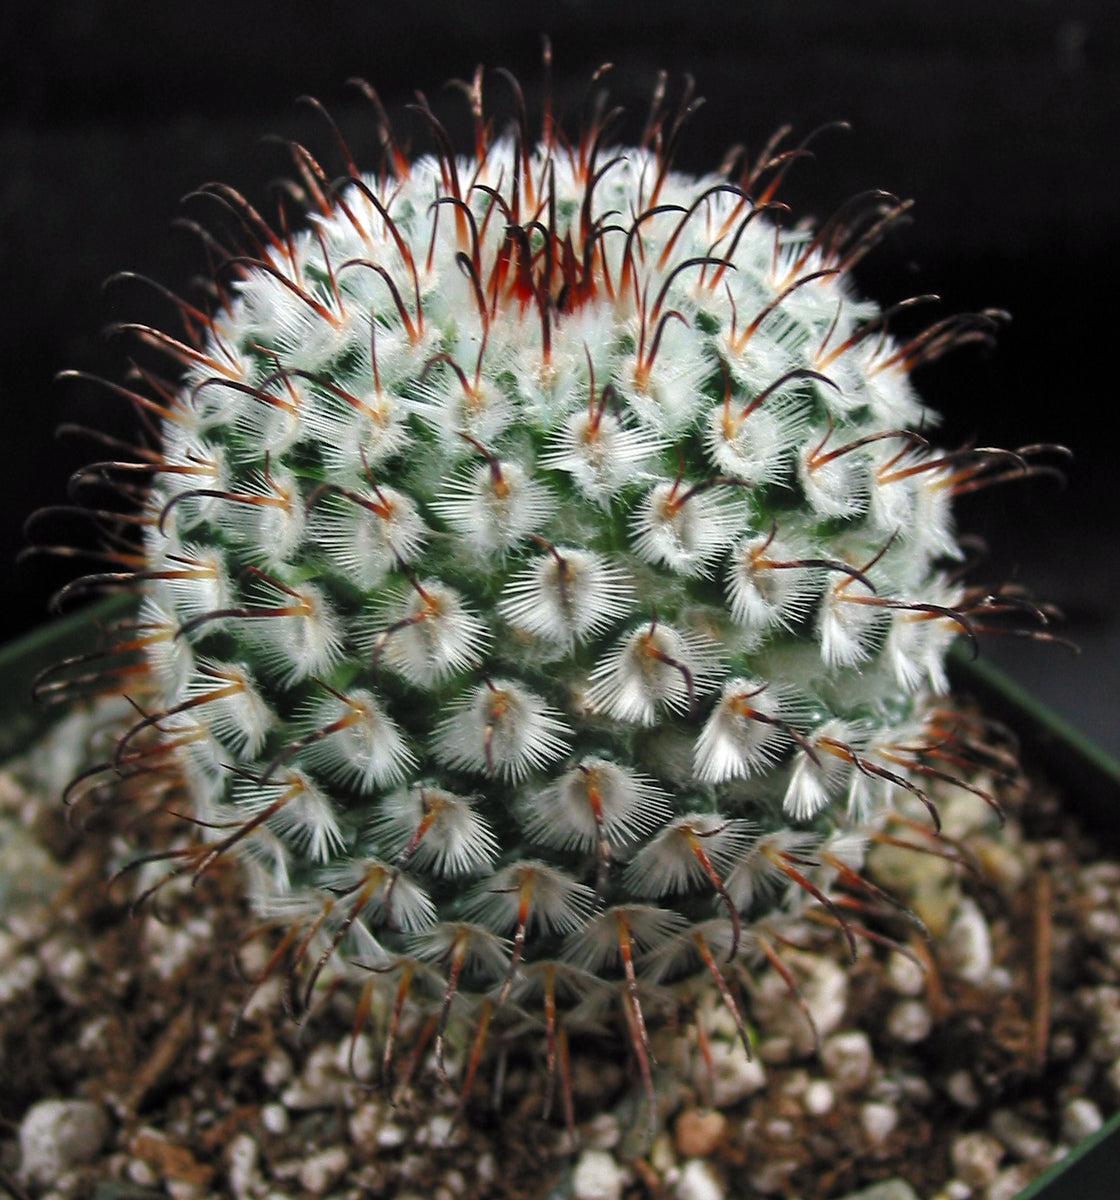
545,586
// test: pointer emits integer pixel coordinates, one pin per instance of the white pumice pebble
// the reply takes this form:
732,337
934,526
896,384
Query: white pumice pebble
597,1177
976,1158
878,1121
1022,1138
319,1172
909,1021
962,1088
698,1181
734,1075
55,1135
818,1098
275,1119
848,1059
904,975
969,943
1081,1118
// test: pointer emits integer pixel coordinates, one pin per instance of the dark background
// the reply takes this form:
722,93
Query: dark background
1000,119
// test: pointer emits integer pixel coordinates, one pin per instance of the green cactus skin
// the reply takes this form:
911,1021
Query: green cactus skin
544,587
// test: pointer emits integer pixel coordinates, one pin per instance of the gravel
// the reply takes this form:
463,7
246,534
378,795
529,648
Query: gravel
1081,1118
122,1078
697,1132
848,1058
597,1177
976,1158
698,1181
56,1135
909,1021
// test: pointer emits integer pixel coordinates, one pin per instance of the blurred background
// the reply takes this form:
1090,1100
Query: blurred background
1001,121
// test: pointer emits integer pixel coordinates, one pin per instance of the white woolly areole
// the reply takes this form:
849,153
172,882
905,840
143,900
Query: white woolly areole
500,729
837,488
226,698
850,624
192,581
566,596
675,859
388,897
480,411
359,433
744,735
917,643
638,927
366,533
296,632
766,588
758,876
684,527
601,455
170,657
480,950
653,667
819,777
495,506
597,798
757,448
353,741
265,517
296,810
427,634
431,829
540,897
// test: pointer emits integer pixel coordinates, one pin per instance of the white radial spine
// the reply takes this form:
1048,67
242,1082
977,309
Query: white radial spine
500,729
567,595
652,669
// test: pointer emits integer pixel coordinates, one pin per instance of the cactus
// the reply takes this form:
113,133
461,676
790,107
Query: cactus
544,577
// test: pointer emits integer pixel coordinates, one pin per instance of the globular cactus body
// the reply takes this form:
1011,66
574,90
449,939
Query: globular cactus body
545,584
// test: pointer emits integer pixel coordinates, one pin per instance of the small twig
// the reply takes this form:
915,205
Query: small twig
933,983
163,1058
1041,898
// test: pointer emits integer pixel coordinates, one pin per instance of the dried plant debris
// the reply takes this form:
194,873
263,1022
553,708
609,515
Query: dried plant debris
954,1062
